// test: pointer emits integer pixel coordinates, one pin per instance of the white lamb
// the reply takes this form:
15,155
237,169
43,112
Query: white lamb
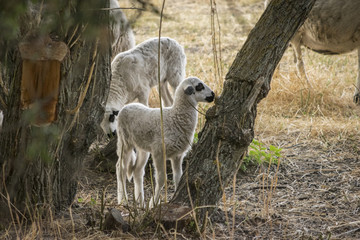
332,27
122,36
139,128
135,72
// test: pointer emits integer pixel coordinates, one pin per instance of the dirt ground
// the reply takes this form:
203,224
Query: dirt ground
317,196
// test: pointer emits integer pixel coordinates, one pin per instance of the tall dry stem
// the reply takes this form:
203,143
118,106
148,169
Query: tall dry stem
161,110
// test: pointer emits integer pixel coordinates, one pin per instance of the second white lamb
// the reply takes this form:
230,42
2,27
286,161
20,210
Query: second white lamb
135,72
139,128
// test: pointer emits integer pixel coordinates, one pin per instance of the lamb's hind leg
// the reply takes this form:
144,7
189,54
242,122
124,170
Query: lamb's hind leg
138,175
357,90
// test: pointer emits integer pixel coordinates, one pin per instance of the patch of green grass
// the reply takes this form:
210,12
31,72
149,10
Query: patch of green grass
259,154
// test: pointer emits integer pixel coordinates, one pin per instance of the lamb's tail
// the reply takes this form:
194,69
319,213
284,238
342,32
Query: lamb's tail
131,166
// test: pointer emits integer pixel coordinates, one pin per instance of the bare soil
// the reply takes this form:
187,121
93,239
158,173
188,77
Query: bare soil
316,196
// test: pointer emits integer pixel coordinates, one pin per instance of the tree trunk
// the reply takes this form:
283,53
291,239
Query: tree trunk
229,127
40,165
106,158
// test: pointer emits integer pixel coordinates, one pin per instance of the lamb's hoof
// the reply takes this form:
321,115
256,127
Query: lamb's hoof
153,203
357,98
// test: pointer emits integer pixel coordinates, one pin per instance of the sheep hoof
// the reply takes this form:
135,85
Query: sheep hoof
357,98
153,203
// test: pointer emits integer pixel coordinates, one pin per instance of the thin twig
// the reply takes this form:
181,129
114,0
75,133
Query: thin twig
260,187
78,37
348,232
9,202
241,160
219,32
83,94
73,34
195,108
119,8
190,198
190,212
161,110
345,225
217,60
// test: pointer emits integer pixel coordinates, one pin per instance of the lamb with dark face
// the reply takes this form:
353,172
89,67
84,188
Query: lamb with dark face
134,73
139,128
112,115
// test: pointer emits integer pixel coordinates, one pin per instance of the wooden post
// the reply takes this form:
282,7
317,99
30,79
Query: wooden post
41,76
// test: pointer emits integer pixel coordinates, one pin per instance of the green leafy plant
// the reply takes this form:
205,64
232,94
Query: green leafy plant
93,201
259,154
196,137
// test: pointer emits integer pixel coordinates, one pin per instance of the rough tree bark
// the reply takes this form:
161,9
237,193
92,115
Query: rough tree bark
40,165
229,127
106,158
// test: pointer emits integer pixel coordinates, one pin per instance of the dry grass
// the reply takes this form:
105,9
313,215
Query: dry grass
291,106
318,129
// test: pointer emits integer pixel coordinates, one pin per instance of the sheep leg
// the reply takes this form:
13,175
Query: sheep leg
165,95
131,165
160,177
177,169
144,97
121,175
357,90
138,174
299,60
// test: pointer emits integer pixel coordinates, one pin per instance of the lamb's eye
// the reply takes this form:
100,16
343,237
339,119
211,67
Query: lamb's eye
199,87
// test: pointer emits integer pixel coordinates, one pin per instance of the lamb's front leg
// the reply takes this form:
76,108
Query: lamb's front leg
138,174
125,158
121,181
176,165
160,178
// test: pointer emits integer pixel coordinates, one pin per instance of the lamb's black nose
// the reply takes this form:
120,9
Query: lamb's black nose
111,135
211,98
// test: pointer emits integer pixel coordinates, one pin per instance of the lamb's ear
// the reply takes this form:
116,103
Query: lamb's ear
189,90
115,113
